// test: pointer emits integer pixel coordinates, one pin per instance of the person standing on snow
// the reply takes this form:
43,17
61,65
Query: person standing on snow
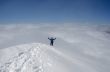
51,41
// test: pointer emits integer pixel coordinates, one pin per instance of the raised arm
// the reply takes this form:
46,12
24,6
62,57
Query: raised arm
54,38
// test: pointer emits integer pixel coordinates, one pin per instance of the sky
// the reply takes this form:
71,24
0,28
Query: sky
54,11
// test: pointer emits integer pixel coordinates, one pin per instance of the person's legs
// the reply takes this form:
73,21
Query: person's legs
52,44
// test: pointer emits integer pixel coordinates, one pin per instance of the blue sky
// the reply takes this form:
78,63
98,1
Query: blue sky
56,11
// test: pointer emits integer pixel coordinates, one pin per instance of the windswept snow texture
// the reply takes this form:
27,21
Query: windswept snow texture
32,59
36,57
77,48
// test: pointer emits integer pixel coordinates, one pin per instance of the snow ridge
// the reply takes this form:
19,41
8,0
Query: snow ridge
33,59
38,57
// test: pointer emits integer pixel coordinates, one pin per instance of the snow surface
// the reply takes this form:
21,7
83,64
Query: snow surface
78,48
38,57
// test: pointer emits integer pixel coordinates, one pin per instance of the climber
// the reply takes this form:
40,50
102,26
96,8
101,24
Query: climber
51,41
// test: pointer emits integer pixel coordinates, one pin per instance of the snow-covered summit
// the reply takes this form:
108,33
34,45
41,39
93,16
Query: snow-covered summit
34,57
29,58
38,57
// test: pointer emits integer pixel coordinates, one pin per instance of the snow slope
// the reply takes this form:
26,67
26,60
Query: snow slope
34,57
38,57
30,58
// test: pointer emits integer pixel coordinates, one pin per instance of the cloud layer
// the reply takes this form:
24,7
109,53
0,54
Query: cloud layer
88,43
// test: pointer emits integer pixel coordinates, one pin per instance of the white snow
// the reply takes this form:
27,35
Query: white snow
37,57
78,48
30,58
